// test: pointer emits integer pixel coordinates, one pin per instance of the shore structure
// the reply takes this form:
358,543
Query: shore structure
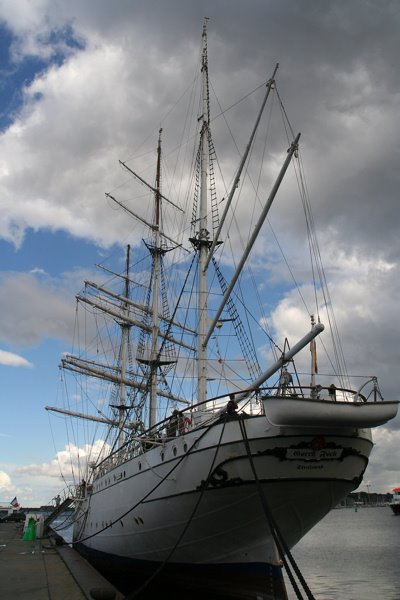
395,503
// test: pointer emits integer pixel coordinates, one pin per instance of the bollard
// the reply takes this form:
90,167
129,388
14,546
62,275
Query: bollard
39,527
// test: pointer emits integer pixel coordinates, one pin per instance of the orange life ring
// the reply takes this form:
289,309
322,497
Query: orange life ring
184,424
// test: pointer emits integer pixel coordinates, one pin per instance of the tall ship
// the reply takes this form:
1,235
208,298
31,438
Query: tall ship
212,448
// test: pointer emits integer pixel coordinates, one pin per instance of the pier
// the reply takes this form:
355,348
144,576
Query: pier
43,569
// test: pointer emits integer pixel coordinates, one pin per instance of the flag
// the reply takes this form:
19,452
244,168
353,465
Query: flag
14,502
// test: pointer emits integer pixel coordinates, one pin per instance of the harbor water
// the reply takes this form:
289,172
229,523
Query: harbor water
350,555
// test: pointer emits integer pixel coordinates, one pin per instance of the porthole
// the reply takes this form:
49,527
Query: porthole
140,466
185,447
162,455
174,450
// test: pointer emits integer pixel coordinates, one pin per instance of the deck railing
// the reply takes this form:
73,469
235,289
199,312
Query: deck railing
181,422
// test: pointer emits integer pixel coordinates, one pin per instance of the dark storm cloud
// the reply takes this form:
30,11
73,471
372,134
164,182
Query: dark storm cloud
340,80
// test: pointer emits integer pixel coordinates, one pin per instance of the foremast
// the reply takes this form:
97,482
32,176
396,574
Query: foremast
120,308
125,329
156,357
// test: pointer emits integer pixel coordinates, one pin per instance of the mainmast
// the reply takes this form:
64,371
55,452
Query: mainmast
156,250
203,234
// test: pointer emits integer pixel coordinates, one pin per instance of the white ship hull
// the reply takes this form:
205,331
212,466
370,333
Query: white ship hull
153,510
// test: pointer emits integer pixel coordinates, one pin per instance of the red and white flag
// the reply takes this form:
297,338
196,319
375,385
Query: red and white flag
14,502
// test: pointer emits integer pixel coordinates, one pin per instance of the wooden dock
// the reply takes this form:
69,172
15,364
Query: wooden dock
43,570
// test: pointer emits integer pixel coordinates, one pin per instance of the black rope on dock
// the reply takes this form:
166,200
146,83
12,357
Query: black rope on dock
279,540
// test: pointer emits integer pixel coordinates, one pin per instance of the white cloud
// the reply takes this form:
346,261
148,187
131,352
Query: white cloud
71,462
36,484
5,482
13,360
77,120
23,15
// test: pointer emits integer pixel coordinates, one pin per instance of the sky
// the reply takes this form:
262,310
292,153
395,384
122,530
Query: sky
83,83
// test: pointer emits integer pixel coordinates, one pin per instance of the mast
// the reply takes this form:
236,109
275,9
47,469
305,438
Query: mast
203,234
125,328
156,250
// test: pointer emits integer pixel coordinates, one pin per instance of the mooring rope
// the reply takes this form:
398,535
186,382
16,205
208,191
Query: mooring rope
281,545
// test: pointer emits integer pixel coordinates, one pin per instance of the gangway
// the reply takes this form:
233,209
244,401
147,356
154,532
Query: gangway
66,503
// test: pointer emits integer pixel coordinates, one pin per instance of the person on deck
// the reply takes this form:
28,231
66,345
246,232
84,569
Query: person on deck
231,406
173,423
